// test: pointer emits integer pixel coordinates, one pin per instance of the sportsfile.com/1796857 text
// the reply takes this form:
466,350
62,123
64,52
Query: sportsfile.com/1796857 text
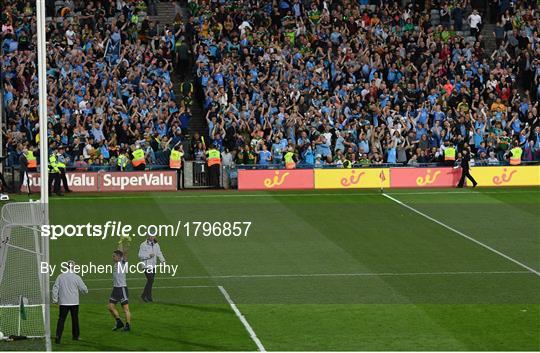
120,229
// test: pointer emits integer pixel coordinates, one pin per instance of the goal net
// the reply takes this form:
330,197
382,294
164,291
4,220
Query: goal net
24,298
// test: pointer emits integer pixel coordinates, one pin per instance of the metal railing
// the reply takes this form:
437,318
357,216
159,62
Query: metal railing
382,165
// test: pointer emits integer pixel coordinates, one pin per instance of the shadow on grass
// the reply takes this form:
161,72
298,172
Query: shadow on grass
168,344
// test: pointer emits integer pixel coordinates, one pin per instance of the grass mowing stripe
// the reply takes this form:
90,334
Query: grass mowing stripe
246,324
462,234
278,194
364,274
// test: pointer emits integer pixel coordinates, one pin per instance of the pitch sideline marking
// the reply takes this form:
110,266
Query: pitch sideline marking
292,195
365,274
462,234
246,324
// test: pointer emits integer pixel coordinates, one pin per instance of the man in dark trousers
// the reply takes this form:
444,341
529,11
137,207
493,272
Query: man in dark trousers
65,292
149,252
465,168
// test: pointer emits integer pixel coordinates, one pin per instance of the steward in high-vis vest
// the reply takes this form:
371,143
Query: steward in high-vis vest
54,174
449,155
289,159
32,160
122,161
175,161
213,160
138,161
61,162
515,155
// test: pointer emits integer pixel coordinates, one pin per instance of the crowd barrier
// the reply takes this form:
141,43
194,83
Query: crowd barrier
369,178
156,180
296,179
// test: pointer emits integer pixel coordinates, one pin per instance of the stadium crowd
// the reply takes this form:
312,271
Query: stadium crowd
368,82
108,76
347,80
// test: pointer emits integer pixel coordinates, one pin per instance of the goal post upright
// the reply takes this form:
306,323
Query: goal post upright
43,154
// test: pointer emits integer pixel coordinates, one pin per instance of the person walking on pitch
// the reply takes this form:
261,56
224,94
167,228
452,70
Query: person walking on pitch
148,252
465,168
65,292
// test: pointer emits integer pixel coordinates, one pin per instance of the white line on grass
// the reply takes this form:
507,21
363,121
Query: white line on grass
246,324
364,274
171,287
462,234
278,194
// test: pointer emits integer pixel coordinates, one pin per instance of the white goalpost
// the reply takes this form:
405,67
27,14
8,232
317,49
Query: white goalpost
24,290
43,165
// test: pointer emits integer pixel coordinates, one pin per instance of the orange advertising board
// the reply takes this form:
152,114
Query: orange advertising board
282,179
424,177
352,178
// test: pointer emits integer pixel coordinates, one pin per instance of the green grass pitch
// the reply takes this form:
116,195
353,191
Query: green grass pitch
320,270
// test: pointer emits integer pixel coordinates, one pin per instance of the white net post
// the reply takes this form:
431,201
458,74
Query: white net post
24,301
45,278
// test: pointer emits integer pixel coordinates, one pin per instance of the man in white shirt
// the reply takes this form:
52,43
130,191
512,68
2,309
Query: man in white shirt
65,292
475,20
148,252
70,35
88,149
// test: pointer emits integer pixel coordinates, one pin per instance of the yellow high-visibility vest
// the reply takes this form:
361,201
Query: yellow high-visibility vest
175,160
53,164
138,157
515,159
32,161
289,161
450,154
213,157
122,161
